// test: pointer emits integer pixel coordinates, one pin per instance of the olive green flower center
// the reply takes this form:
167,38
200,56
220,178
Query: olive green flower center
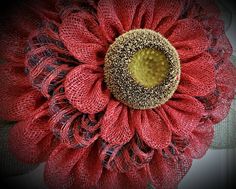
142,69
149,67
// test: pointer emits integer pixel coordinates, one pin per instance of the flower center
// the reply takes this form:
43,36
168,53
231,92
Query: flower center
142,69
149,67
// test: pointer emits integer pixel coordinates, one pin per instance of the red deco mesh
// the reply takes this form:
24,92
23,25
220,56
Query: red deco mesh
62,64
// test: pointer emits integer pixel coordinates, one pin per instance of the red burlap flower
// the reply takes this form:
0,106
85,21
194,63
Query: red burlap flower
68,117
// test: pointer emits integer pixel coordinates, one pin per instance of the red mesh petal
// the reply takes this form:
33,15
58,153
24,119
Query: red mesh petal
84,89
73,168
15,107
59,167
189,38
134,155
108,179
184,113
81,34
142,14
218,110
226,75
32,141
202,8
132,180
17,99
71,126
13,75
128,15
152,129
220,47
197,76
123,11
117,126
167,172
47,59
201,139
89,170
166,13
218,103
109,20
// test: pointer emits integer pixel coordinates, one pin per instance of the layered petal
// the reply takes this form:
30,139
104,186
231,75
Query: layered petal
166,172
81,34
117,123
84,89
219,101
31,140
17,98
130,180
109,19
165,14
73,168
47,59
144,15
197,76
184,113
226,75
152,128
189,38
201,139
204,8
16,107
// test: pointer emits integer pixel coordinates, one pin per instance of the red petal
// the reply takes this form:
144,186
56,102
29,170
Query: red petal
189,38
84,89
167,172
112,14
166,13
220,101
117,126
82,37
16,107
73,168
17,98
144,12
12,75
89,170
152,128
108,180
59,167
204,8
31,141
184,113
198,76
226,75
136,178
201,139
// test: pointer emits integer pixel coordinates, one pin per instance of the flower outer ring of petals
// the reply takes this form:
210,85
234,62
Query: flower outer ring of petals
130,65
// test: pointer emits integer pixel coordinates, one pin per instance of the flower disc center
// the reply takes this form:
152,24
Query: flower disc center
149,67
142,69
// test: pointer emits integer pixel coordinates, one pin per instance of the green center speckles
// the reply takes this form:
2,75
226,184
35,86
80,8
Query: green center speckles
149,67
142,69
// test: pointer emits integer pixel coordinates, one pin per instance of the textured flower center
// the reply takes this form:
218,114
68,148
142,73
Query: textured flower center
142,69
149,67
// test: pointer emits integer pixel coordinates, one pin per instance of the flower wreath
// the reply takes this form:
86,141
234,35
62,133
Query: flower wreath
115,94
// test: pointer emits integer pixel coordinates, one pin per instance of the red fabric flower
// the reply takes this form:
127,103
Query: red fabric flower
69,118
